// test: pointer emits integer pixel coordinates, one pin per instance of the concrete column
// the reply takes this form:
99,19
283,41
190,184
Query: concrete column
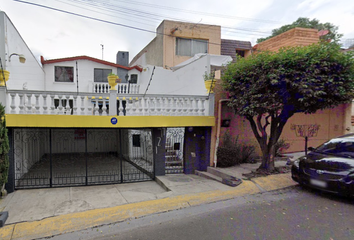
211,104
113,103
158,144
3,96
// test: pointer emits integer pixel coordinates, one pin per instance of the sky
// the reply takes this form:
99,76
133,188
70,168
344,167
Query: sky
66,28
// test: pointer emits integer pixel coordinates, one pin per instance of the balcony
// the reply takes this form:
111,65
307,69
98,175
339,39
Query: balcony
101,87
128,104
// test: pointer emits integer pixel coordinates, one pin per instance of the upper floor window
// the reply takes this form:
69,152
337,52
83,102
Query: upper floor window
189,47
100,75
240,53
134,78
64,74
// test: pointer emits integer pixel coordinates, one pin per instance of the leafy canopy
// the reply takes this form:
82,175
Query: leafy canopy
295,79
307,23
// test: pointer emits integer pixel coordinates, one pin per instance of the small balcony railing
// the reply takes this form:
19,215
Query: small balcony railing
69,103
125,88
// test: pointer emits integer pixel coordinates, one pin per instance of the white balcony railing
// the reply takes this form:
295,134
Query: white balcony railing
68,103
125,88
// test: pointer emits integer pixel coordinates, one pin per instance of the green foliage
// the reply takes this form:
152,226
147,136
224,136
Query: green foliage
269,87
233,153
307,23
295,79
4,148
209,76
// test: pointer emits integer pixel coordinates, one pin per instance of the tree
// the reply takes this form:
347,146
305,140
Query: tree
270,87
4,149
307,23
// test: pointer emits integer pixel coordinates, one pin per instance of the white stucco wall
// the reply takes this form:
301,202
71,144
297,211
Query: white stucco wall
29,72
85,75
185,81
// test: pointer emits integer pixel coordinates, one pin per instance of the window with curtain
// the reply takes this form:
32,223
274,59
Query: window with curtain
100,75
63,74
190,47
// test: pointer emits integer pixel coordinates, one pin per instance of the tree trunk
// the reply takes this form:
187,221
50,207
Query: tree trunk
267,160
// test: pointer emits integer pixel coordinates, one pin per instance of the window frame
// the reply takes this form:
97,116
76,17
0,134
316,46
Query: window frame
64,74
104,78
191,51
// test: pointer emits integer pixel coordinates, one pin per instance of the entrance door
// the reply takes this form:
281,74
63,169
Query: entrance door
174,150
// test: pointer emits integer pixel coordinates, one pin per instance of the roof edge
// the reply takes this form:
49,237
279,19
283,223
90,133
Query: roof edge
51,61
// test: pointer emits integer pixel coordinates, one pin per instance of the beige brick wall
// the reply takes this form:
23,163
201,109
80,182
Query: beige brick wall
291,38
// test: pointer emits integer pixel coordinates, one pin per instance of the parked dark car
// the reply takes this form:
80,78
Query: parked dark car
329,167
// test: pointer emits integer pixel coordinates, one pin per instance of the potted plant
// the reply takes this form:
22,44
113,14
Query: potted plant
209,81
6,74
113,80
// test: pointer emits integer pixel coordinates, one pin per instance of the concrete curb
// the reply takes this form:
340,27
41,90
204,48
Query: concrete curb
97,217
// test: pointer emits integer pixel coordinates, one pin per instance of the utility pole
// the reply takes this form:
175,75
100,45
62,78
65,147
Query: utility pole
102,50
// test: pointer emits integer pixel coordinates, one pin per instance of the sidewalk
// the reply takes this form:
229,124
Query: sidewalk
41,213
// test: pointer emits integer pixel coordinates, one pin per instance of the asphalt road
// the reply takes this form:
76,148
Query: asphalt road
292,213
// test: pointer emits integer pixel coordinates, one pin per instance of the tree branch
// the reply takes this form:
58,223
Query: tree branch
254,127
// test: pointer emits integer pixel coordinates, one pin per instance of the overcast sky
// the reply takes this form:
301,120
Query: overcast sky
55,34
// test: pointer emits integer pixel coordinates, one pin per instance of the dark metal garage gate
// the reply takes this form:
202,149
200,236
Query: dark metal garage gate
75,157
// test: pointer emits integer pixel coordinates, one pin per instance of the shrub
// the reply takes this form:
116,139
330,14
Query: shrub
280,146
4,148
232,153
247,153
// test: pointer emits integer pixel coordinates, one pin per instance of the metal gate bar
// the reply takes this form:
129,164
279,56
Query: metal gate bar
78,157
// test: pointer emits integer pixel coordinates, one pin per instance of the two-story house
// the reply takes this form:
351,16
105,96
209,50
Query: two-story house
69,127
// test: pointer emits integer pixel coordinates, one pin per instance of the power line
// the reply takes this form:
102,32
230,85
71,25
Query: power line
83,16
188,11
99,20
105,13
142,14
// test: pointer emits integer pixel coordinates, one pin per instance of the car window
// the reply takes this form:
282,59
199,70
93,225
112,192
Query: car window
337,146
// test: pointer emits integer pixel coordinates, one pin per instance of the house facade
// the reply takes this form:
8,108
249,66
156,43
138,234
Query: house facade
69,127
326,123
176,42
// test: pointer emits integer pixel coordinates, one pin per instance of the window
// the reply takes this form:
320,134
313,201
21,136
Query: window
241,53
100,75
136,140
189,47
64,74
134,78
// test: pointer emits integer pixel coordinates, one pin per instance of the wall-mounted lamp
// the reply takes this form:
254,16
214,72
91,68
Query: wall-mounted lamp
21,57
128,81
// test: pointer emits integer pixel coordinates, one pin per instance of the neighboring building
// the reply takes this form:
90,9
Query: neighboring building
294,37
176,42
235,48
67,127
333,122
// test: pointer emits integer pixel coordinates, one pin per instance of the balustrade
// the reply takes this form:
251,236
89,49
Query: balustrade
122,88
34,102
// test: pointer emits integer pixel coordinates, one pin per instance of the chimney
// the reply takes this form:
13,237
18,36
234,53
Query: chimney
123,58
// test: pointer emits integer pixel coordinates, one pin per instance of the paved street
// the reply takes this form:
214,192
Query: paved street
292,213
